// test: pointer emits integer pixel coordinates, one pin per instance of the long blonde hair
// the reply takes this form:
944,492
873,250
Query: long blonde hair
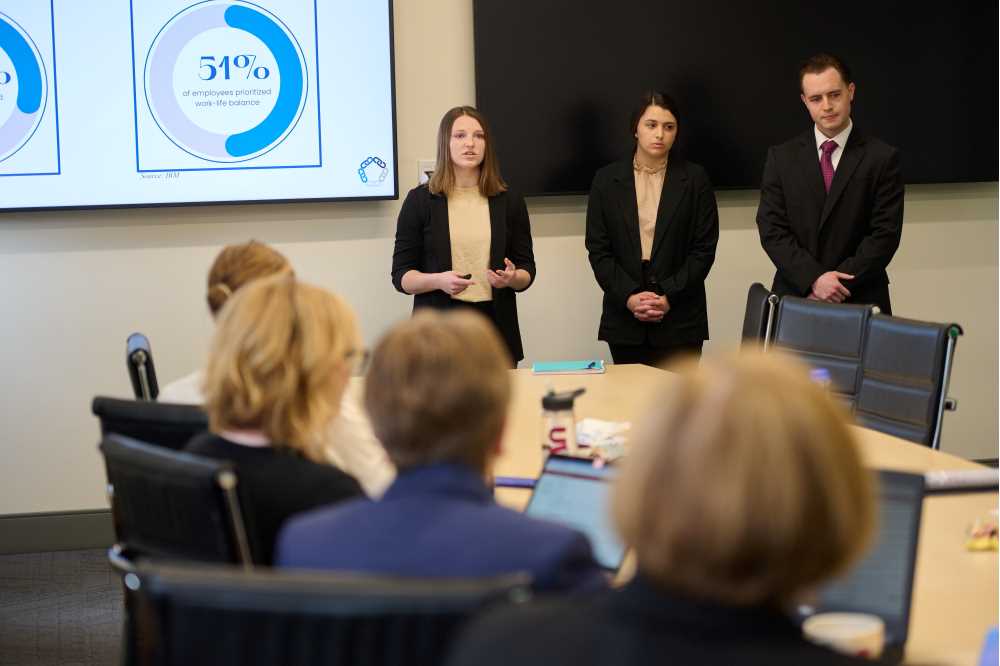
745,485
442,181
279,362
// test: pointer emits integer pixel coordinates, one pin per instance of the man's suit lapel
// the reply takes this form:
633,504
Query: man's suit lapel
674,183
629,207
849,160
809,166
440,232
498,230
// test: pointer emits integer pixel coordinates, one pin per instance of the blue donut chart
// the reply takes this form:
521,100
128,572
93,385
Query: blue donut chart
181,129
290,95
29,72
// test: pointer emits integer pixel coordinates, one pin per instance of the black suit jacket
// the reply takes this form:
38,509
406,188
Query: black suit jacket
423,243
638,625
854,229
687,231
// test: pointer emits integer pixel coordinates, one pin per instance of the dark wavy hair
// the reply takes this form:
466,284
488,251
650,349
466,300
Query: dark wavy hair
648,99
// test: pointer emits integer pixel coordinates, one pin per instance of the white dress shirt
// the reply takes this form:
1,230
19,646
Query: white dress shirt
841,140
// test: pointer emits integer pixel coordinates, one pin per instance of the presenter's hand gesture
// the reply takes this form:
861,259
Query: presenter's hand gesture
827,287
453,284
502,278
647,306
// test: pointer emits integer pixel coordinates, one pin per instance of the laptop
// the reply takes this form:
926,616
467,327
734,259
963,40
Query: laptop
574,492
882,582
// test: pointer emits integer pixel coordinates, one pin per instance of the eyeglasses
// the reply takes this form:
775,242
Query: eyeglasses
358,360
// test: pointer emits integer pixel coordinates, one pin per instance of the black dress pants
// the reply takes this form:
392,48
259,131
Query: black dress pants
654,356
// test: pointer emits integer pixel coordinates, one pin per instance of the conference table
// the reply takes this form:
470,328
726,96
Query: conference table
955,591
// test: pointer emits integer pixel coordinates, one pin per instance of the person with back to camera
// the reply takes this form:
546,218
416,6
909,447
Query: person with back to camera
350,443
743,493
280,359
831,199
652,228
464,239
438,392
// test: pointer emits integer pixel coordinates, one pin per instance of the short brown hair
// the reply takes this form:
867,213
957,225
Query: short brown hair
438,389
238,264
745,485
279,362
443,179
821,62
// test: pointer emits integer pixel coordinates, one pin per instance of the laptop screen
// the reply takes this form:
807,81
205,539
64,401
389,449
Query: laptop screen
882,582
573,492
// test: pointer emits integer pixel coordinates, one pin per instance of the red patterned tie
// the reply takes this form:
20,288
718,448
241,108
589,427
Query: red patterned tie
826,162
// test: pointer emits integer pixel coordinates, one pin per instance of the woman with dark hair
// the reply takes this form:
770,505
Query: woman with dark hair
464,240
652,228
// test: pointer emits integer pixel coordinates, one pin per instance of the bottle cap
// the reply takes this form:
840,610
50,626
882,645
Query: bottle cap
820,375
556,402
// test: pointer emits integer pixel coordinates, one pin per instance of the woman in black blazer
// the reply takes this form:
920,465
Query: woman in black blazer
652,228
463,239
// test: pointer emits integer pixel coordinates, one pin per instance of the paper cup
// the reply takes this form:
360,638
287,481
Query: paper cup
854,634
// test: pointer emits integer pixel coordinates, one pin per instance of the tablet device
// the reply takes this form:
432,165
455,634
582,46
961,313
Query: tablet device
575,492
882,582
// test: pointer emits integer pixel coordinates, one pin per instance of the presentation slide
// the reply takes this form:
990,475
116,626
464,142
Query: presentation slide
145,102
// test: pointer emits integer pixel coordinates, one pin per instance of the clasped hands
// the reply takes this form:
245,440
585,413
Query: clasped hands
827,287
647,306
453,283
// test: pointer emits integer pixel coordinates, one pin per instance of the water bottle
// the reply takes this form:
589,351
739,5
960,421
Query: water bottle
559,422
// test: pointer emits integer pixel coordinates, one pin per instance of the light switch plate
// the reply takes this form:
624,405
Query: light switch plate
424,170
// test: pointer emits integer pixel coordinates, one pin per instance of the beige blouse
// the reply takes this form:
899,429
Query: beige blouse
648,185
469,228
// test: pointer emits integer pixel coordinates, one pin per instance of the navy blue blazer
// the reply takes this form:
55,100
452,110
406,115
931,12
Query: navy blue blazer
438,521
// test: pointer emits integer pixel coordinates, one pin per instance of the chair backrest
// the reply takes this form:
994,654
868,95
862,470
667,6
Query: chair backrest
162,424
759,315
904,385
139,361
826,335
170,505
221,616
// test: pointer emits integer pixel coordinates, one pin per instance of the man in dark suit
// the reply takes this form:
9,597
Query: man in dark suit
437,392
831,199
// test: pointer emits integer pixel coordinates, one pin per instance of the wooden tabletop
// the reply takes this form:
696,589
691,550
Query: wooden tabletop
955,591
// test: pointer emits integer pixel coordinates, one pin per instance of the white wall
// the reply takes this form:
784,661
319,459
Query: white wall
73,285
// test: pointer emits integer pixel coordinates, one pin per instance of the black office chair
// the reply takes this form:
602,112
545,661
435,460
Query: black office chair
222,616
167,505
139,361
170,505
826,335
905,375
758,319
163,424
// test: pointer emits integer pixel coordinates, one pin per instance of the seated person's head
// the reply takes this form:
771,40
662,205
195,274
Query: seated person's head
237,265
744,485
437,390
279,361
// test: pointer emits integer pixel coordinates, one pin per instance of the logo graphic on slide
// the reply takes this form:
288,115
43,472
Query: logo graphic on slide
24,98
373,171
226,81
